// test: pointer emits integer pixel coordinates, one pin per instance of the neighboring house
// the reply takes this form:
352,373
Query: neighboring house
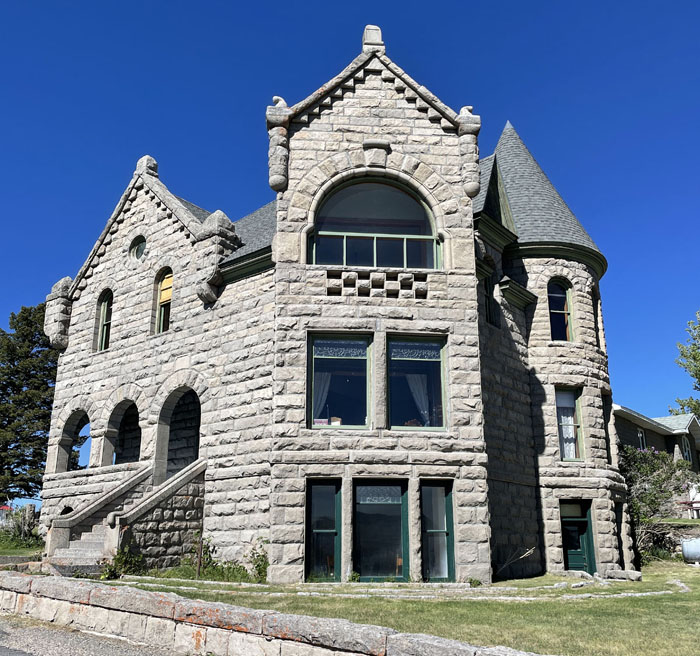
5,515
678,435
395,368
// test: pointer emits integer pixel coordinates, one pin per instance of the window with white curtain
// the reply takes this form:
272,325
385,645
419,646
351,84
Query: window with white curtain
339,389
415,383
569,424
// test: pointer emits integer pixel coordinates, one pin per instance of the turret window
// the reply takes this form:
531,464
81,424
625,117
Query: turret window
374,224
569,424
559,297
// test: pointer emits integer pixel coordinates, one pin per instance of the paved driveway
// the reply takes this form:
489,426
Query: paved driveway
25,637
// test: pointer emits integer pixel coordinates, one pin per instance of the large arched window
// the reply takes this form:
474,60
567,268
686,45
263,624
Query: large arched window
374,224
559,297
104,320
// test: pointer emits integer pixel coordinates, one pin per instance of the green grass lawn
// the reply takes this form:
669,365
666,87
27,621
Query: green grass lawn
611,626
10,548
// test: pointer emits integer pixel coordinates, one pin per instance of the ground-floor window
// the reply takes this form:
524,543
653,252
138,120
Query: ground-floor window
323,530
577,536
381,531
437,533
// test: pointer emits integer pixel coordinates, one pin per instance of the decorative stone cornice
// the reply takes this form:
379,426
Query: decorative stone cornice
587,256
58,311
278,117
515,293
493,232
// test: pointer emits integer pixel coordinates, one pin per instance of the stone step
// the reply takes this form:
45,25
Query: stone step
71,553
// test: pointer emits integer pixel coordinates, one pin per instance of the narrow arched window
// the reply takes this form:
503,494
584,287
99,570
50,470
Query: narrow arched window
685,449
374,224
104,323
596,315
559,297
165,297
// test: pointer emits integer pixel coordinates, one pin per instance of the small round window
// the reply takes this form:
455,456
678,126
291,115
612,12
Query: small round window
137,248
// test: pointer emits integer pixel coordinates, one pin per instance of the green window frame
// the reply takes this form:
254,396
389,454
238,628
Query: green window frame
569,423
321,382
104,328
397,241
403,555
560,315
392,342
316,536
165,297
429,531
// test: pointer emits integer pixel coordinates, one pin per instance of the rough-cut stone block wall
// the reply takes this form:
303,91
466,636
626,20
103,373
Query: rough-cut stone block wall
172,529
221,351
512,473
581,365
327,146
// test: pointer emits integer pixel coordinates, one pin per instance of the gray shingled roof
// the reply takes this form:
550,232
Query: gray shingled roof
539,212
256,231
676,422
195,210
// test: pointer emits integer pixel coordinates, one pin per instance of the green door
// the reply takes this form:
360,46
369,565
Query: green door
577,536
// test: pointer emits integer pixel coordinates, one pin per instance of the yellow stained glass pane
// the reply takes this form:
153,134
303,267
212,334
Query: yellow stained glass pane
166,289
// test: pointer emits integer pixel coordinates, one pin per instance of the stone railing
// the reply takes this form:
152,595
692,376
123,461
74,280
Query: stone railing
184,626
59,533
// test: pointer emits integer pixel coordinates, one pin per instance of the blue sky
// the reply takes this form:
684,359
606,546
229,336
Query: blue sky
605,95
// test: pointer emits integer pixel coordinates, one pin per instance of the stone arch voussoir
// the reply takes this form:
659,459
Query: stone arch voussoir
180,380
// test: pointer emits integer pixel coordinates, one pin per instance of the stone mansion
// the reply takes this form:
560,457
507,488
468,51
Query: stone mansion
396,369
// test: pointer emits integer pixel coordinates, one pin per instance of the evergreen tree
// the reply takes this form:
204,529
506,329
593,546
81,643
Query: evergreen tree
689,359
27,377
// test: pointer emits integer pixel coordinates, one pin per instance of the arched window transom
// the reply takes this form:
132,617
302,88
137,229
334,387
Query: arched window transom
374,224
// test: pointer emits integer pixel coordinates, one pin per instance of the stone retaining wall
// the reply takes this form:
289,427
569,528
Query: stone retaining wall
168,621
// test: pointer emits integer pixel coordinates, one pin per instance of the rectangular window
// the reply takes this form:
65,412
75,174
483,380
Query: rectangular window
415,383
339,373
569,424
381,531
437,538
323,526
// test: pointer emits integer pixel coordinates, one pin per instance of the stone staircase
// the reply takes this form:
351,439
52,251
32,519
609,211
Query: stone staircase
86,549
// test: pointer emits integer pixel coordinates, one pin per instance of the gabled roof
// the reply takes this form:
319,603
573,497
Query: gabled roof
641,420
256,231
191,216
373,54
676,422
539,214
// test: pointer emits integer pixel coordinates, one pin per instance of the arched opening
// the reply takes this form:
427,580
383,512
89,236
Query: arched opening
75,445
560,320
178,434
127,445
67,510
374,224
164,297
104,320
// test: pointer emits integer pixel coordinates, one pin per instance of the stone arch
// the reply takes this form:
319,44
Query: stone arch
122,443
405,170
178,406
63,458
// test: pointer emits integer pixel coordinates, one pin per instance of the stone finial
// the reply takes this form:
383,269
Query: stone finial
372,40
278,101
467,122
147,165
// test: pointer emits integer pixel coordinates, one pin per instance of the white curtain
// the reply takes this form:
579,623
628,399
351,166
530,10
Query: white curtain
418,384
567,431
322,382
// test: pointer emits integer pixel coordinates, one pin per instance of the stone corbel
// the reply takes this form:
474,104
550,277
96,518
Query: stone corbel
376,152
515,293
278,116
468,126
217,239
58,310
